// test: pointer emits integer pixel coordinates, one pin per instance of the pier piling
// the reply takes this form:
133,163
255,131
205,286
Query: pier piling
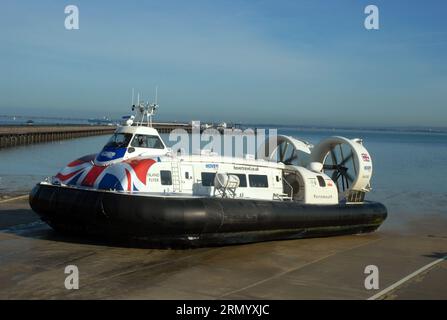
12,136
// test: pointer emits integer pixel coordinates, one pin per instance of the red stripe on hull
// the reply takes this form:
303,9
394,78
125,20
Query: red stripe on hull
129,182
141,167
64,177
82,160
92,175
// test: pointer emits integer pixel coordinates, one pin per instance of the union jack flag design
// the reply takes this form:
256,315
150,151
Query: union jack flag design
129,175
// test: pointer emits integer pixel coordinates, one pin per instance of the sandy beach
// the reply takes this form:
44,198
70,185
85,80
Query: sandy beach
33,259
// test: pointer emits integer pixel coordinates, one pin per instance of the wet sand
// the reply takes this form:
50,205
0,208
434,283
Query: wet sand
33,258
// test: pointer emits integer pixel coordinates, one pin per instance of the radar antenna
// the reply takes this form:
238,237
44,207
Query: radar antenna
145,111
133,93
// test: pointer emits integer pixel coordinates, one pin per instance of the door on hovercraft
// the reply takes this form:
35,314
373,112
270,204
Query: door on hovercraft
186,178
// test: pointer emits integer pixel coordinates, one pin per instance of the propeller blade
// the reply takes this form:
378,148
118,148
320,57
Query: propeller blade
285,151
345,178
354,165
347,159
342,177
334,158
349,177
341,151
335,176
293,156
281,151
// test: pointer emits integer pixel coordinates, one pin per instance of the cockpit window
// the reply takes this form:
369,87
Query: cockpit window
119,140
146,141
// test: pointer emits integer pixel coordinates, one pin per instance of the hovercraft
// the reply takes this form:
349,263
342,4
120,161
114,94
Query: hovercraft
137,187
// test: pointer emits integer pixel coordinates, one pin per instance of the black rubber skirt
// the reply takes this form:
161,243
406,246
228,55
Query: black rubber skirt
194,220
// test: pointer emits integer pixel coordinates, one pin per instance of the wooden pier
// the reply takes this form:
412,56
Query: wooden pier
167,127
11,136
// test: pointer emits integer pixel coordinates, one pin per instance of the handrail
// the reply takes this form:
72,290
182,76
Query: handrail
291,188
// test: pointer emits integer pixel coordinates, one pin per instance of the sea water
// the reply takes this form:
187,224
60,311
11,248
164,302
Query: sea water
409,167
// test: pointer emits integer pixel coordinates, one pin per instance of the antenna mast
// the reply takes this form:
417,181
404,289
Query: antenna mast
133,92
145,109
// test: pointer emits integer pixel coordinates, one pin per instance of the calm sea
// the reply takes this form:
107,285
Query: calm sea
409,168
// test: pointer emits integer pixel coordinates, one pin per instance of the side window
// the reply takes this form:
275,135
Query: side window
139,141
242,179
258,181
165,177
154,142
119,140
321,181
145,141
208,179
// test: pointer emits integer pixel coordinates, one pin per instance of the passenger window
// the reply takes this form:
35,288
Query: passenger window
258,181
139,141
119,140
242,179
165,177
321,181
145,141
154,142
208,179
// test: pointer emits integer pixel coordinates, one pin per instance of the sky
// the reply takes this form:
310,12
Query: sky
299,62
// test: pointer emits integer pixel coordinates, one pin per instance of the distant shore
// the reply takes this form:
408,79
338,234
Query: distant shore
11,120
409,130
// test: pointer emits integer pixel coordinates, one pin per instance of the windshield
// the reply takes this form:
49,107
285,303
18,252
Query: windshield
119,140
146,141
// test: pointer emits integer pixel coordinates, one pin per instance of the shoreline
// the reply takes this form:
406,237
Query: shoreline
372,129
13,195
411,265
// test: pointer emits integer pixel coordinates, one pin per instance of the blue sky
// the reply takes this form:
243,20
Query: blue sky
285,62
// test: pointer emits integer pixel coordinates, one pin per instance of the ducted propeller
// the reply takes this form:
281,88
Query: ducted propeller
346,161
